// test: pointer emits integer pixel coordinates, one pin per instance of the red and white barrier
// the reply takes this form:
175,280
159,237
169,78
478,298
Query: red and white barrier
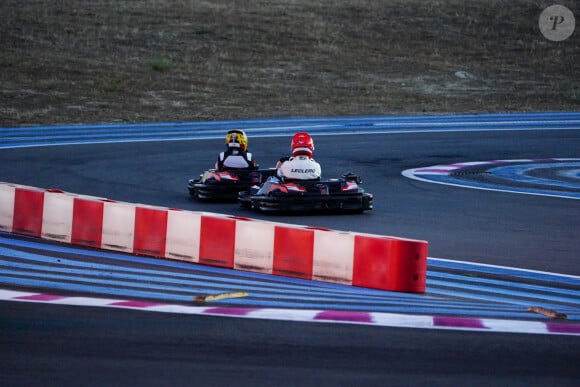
364,260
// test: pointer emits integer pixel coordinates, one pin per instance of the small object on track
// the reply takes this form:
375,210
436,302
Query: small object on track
548,312
220,296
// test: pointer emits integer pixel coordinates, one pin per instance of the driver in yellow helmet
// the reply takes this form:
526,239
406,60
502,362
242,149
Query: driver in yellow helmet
236,155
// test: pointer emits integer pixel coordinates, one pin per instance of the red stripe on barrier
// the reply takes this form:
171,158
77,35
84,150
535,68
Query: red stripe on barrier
150,231
409,267
217,241
293,252
28,210
87,227
390,264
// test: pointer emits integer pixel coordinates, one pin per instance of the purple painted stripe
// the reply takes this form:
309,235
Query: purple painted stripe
458,322
333,315
230,311
41,297
563,328
135,304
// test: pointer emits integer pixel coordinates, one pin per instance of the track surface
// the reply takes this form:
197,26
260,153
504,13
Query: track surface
539,233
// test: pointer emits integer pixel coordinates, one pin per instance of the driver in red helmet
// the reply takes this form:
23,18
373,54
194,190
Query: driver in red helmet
236,155
300,166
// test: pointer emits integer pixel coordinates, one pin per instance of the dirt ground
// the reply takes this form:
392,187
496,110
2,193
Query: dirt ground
117,61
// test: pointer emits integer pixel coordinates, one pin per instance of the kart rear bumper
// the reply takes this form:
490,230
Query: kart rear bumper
348,202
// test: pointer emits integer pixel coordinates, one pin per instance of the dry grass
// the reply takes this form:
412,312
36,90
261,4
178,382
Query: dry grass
81,61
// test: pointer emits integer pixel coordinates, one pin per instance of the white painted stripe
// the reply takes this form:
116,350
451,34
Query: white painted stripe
177,309
402,320
448,168
470,164
8,295
83,301
284,314
515,326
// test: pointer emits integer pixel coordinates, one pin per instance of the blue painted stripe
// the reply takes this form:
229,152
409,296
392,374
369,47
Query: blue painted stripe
438,263
31,242
82,270
492,287
450,180
432,263
142,274
518,173
449,291
209,285
326,120
145,132
508,287
336,287
203,127
154,278
84,134
121,288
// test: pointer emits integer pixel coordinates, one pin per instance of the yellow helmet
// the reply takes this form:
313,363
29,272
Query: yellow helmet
236,138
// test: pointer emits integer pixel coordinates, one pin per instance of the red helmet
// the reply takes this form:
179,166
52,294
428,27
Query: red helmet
302,144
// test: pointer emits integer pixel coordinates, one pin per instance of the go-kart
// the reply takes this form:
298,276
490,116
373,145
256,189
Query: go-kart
224,185
334,195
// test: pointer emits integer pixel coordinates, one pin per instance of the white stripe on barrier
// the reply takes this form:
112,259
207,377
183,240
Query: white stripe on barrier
118,226
254,249
57,216
183,235
7,196
333,257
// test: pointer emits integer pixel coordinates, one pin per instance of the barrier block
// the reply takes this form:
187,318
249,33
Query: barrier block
87,227
217,241
254,246
118,226
183,235
57,216
293,252
365,260
150,231
384,263
333,256
28,208
7,195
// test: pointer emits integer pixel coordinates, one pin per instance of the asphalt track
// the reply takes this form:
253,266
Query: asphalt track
91,346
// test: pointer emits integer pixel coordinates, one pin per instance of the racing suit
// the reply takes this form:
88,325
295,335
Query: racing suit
299,168
235,158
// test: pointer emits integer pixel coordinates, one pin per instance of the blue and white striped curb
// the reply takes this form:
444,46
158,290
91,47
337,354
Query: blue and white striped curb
513,170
